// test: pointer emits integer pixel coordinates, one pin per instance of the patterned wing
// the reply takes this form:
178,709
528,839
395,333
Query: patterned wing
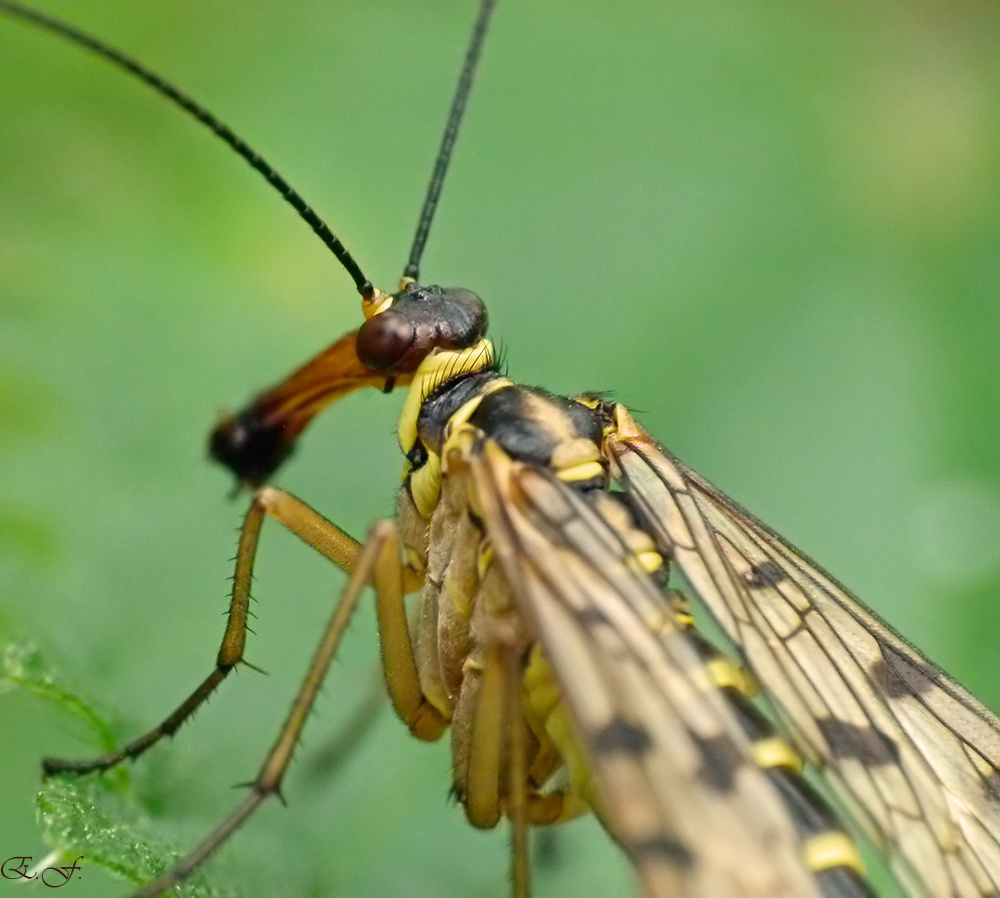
910,751
671,773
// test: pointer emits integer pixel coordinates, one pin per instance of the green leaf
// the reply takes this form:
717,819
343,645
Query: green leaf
100,818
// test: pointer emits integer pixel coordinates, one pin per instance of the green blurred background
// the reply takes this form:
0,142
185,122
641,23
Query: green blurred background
773,229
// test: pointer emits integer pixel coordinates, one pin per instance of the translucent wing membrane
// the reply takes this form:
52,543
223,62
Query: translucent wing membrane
673,776
911,752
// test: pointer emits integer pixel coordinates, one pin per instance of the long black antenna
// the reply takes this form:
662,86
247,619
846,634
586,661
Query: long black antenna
219,128
412,269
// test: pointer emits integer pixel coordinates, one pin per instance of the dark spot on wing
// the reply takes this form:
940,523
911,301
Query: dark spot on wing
865,743
592,617
991,786
660,848
721,758
622,737
767,573
888,681
900,676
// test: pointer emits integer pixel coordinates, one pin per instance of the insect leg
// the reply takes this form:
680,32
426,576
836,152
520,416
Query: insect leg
517,776
424,720
493,764
272,772
313,529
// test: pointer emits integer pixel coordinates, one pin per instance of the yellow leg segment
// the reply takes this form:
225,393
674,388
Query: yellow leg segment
398,661
273,770
312,528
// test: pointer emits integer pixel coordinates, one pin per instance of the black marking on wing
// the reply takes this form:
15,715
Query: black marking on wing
592,617
720,760
767,573
899,676
662,850
864,743
621,737
654,728
907,748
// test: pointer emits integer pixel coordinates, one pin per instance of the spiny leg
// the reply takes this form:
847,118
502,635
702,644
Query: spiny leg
272,772
313,529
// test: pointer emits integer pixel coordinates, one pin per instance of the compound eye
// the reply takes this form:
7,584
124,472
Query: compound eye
384,339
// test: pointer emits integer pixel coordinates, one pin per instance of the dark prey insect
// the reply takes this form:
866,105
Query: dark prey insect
557,549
